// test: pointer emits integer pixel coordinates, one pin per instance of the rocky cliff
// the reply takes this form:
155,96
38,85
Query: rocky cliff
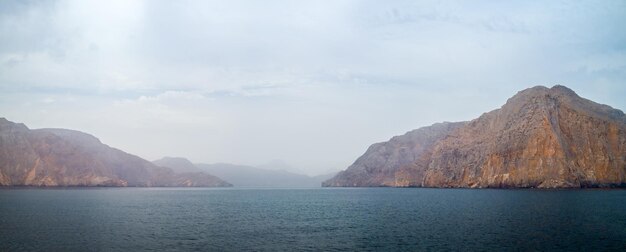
381,161
542,137
59,157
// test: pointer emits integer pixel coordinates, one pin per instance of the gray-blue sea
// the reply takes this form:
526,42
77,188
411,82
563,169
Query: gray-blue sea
319,219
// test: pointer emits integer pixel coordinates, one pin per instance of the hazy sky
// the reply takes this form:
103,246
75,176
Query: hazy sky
313,83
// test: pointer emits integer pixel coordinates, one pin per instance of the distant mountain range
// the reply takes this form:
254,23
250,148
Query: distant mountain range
60,157
542,137
246,176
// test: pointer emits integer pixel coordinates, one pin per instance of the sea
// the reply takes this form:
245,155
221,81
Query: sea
315,219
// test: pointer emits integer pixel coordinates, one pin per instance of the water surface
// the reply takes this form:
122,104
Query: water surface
343,219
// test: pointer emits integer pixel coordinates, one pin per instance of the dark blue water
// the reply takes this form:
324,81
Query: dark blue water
381,219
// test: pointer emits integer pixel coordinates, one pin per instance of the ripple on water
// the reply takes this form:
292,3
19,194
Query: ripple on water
136,219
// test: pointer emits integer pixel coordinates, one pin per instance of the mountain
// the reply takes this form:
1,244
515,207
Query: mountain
177,164
319,179
541,138
278,165
248,176
377,167
60,157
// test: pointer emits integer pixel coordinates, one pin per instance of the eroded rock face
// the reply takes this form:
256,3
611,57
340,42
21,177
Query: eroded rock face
542,137
59,157
381,161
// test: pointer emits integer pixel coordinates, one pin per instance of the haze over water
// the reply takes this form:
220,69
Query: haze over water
381,219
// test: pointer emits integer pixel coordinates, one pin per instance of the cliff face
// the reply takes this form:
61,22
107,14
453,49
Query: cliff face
542,137
58,157
381,161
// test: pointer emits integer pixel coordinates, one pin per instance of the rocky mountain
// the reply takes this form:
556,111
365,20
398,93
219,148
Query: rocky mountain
249,176
377,167
542,137
60,157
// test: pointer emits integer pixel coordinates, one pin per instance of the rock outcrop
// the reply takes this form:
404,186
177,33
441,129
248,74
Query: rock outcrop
381,161
542,137
59,157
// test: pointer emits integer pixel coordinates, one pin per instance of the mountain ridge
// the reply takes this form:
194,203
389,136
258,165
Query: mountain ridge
250,176
244,175
61,157
541,137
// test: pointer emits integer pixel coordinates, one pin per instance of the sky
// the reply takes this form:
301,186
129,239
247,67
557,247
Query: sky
307,83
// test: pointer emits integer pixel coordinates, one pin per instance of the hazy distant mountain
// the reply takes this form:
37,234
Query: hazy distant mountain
60,157
542,137
248,176
323,177
278,164
177,164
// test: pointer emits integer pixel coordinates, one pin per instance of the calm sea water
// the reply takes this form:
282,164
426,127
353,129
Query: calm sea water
381,219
